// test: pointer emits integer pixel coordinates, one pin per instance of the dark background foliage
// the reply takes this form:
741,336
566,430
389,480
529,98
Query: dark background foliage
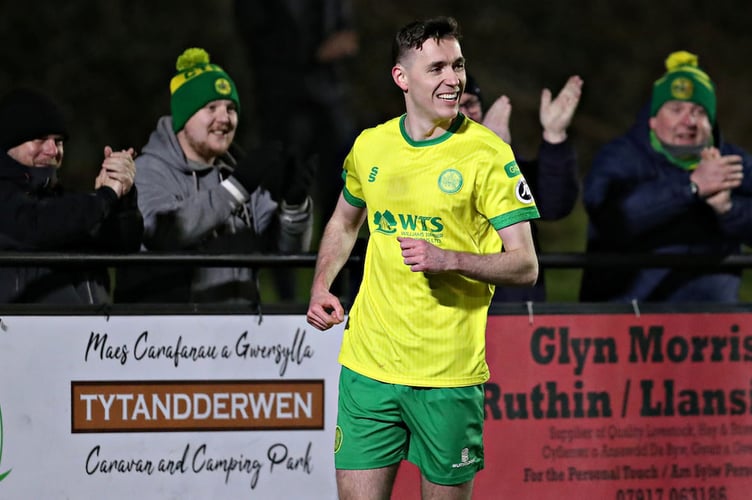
109,63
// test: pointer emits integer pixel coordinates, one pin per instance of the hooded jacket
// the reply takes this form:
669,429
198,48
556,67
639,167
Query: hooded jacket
194,207
639,202
41,217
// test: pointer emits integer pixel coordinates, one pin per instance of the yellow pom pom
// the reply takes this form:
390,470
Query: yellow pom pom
680,58
191,58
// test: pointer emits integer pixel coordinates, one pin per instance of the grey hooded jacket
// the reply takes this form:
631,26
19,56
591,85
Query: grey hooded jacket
194,207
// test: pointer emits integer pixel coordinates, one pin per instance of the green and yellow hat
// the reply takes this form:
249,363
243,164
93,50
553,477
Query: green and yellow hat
684,81
196,83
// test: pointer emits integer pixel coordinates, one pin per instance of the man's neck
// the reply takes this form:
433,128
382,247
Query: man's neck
424,130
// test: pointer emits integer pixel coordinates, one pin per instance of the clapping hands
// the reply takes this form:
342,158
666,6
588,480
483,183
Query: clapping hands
556,113
118,171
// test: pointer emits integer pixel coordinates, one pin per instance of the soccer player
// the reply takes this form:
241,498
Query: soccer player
440,193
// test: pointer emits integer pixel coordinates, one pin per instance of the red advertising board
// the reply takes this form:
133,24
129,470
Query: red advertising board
616,406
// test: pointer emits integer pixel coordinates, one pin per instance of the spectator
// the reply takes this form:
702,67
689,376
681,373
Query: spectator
40,216
552,176
670,185
197,195
297,53
440,194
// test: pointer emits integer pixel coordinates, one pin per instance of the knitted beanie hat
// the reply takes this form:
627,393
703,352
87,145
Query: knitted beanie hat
684,81
196,83
472,87
27,114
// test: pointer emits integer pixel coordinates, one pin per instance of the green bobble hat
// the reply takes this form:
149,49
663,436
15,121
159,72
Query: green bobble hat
196,83
684,81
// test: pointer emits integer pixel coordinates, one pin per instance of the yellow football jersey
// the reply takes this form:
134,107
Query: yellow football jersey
454,191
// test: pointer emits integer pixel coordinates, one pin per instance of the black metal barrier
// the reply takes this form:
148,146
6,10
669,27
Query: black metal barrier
547,261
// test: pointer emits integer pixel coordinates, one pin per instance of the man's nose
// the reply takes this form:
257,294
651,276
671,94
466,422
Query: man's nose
689,118
223,114
50,146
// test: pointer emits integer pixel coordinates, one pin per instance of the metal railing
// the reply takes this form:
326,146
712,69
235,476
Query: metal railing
547,260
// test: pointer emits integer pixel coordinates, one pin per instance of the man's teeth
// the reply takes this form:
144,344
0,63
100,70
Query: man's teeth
449,97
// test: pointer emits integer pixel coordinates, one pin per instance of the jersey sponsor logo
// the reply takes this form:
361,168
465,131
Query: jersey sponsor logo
372,175
450,181
522,191
386,223
512,169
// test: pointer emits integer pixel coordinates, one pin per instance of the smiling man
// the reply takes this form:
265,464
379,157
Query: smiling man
440,193
670,185
42,216
199,193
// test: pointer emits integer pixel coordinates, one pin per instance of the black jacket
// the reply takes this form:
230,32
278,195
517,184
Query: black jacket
39,216
553,180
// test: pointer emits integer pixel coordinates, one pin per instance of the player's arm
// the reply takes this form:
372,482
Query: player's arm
517,265
324,308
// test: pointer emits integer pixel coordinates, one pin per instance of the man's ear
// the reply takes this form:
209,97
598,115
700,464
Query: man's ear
399,75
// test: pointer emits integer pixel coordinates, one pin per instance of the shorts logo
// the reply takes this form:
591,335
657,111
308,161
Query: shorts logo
682,88
385,222
222,86
522,191
465,459
337,438
3,475
450,181
512,169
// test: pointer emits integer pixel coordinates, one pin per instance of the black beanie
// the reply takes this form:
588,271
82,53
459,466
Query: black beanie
27,114
471,87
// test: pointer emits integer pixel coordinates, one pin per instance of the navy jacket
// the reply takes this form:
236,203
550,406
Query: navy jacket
639,202
40,217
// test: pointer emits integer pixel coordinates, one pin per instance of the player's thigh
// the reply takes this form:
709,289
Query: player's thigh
371,484
446,425
435,491
370,432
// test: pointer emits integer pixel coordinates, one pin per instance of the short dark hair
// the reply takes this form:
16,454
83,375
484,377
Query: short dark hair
414,35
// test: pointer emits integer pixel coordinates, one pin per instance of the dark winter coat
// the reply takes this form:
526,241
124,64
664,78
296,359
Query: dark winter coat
639,202
39,216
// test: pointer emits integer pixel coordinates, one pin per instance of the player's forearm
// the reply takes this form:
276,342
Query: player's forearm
334,250
509,268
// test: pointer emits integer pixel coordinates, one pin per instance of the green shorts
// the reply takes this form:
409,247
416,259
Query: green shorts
438,429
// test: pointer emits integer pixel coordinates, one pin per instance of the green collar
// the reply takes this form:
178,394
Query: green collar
686,164
436,140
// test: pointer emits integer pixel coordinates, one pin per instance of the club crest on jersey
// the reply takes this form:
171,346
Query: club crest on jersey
522,191
450,181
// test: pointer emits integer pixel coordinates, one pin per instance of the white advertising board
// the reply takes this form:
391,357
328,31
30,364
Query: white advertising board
167,407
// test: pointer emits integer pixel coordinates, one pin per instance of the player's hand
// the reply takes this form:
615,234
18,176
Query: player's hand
324,310
422,256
